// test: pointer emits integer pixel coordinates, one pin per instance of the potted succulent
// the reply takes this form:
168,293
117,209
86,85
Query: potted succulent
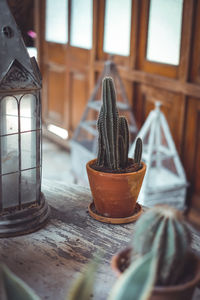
160,262
115,180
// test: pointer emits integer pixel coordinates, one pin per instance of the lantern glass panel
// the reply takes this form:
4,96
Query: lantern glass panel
10,190
28,113
28,186
28,150
9,116
9,154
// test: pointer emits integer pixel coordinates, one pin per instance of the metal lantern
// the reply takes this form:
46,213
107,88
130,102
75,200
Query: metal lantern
22,206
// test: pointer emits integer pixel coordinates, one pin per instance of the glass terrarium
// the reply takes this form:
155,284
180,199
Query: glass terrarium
22,205
165,181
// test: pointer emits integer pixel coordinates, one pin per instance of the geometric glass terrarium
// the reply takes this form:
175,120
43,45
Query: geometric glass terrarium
165,181
22,206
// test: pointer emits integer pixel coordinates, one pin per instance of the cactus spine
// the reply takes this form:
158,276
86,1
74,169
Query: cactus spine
162,229
113,131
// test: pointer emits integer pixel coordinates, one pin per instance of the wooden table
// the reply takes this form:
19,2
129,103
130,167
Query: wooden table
49,260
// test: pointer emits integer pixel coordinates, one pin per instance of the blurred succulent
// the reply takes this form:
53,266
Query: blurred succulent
163,229
82,289
161,244
15,288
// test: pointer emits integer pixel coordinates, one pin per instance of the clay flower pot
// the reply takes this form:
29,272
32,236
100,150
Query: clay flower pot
115,195
181,291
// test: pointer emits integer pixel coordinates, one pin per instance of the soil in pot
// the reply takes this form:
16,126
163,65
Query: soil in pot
132,167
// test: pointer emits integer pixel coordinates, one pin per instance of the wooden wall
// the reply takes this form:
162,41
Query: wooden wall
69,75
23,12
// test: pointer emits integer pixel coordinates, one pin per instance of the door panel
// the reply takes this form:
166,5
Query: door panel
79,95
56,95
195,60
192,148
172,105
55,54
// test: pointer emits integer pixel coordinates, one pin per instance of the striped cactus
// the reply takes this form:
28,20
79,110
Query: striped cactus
108,127
123,142
162,229
113,131
138,151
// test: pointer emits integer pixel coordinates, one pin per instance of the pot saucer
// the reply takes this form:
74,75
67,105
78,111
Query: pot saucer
95,215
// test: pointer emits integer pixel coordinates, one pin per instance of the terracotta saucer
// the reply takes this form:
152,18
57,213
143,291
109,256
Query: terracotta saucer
95,215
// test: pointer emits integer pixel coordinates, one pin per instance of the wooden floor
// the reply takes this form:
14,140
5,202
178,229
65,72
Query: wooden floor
56,162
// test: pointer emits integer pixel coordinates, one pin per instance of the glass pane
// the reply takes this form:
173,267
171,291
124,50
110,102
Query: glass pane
117,27
56,21
9,154
9,116
28,186
164,31
28,113
10,190
81,24
28,150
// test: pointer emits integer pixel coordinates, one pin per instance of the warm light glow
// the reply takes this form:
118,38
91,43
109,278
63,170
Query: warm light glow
61,132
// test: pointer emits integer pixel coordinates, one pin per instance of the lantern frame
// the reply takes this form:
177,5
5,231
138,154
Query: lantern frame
19,77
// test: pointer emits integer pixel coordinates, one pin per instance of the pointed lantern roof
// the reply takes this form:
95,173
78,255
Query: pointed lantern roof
17,70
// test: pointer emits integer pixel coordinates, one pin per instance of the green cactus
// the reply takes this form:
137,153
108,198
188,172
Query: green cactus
138,151
162,229
123,142
108,127
113,143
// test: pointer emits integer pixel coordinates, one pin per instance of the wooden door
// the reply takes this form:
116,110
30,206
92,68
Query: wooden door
168,72
64,62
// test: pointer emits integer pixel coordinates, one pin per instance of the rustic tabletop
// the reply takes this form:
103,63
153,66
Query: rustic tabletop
50,259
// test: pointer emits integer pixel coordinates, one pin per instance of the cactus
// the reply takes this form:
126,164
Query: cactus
162,229
108,127
113,143
138,151
123,142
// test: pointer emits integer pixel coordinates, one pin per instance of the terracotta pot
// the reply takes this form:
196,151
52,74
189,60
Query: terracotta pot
174,292
115,195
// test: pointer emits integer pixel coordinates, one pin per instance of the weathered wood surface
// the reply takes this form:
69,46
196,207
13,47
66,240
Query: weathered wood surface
50,259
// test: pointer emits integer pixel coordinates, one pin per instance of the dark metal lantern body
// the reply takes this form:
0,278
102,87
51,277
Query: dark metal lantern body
22,206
